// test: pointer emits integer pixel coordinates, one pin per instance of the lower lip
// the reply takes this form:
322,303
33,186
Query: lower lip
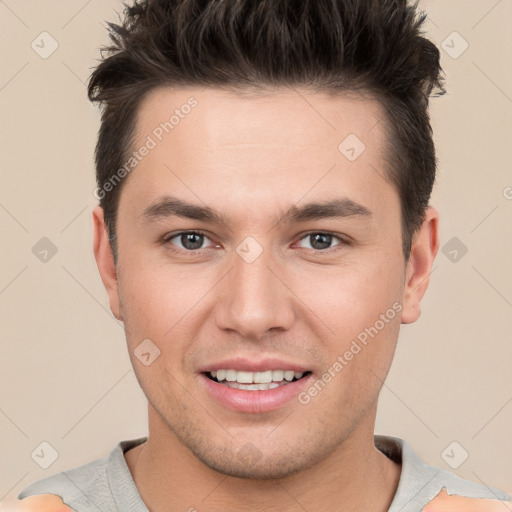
254,401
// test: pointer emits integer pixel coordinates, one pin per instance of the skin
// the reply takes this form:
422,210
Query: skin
444,502
38,503
251,158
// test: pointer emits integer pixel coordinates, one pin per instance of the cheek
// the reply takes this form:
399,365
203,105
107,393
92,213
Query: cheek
360,305
351,297
357,366
150,300
160,300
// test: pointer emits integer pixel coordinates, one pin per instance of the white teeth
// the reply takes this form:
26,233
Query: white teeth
277,375
289,375
268,379
263,377
254,387
230,375
244,377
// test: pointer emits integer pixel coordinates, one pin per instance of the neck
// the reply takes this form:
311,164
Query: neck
356,476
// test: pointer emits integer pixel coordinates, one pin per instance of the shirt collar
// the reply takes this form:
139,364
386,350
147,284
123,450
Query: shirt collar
419,483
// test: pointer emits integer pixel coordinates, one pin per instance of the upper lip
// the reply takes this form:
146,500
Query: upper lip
250,365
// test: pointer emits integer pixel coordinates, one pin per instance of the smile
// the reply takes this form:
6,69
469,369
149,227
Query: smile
255,381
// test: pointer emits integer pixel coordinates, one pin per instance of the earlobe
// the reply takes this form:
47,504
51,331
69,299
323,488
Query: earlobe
105,261
424,248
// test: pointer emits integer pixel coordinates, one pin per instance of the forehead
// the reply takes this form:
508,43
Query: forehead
222,117
264,148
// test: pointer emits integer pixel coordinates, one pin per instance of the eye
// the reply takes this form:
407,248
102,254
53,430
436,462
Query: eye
190,241
321,241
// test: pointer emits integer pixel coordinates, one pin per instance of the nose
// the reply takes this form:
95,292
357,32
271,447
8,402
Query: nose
254,298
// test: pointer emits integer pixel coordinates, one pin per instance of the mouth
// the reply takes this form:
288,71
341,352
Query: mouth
253,384
255,381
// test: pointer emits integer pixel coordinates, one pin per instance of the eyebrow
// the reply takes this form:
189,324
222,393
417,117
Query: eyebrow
169,206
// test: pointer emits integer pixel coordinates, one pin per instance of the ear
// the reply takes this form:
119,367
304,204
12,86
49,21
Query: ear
105,261
424,248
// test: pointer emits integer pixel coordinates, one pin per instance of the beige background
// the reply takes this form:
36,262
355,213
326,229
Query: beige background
65,374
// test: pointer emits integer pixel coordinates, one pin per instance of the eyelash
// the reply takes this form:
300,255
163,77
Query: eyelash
168,238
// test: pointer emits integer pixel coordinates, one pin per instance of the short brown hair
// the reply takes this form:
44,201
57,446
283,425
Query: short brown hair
371,46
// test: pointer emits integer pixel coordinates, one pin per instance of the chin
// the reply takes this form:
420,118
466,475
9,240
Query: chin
250,463
263,470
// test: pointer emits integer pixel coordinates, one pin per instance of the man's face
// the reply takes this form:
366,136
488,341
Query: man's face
259,292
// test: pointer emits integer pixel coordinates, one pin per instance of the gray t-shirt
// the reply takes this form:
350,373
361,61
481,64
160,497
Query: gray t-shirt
106,484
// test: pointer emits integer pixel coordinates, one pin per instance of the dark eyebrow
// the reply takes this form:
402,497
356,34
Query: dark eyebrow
169,206
342,207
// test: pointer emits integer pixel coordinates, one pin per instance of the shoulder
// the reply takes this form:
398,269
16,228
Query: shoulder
97,485
445,502
433,489
78,487
39,503
452,486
